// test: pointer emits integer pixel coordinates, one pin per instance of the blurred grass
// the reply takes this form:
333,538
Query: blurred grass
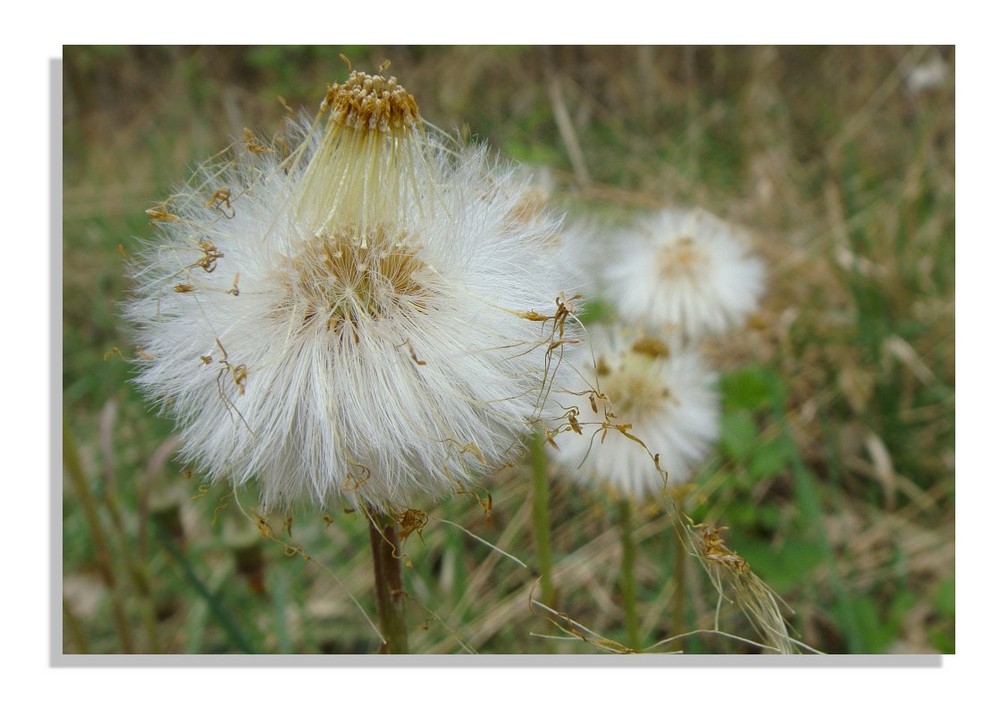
835,471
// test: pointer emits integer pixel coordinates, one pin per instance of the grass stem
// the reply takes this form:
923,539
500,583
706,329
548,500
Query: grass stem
680,585
102,554
75,629
540,515
628,574
212,601
677,625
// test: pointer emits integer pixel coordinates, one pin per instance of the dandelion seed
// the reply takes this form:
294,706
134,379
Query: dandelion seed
685,270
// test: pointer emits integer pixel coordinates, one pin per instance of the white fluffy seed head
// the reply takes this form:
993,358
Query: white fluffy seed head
659,393
685,271
353,322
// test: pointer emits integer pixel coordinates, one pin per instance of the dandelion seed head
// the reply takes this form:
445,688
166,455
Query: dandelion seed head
350,325
663,393
685,271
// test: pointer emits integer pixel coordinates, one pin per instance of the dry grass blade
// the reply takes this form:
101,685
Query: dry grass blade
731,574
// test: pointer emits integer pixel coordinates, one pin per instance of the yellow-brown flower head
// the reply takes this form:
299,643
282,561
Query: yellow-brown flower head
371,102
370,172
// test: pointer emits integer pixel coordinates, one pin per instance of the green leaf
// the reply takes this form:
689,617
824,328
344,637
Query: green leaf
752,388
739,435
943,640
770,459
868,622
768,516
877,629
902,603
944,598
782,566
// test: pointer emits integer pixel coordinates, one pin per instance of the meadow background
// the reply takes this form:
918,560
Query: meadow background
835,472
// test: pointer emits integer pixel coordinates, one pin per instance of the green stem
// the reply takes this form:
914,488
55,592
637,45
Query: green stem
628,574
540,514
453,541
680,587
389,594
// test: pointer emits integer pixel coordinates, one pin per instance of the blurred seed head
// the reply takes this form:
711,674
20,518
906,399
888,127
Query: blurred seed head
662,394
685,271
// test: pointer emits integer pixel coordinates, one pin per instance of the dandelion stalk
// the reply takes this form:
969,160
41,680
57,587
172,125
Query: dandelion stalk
540,513
389,594
628,573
